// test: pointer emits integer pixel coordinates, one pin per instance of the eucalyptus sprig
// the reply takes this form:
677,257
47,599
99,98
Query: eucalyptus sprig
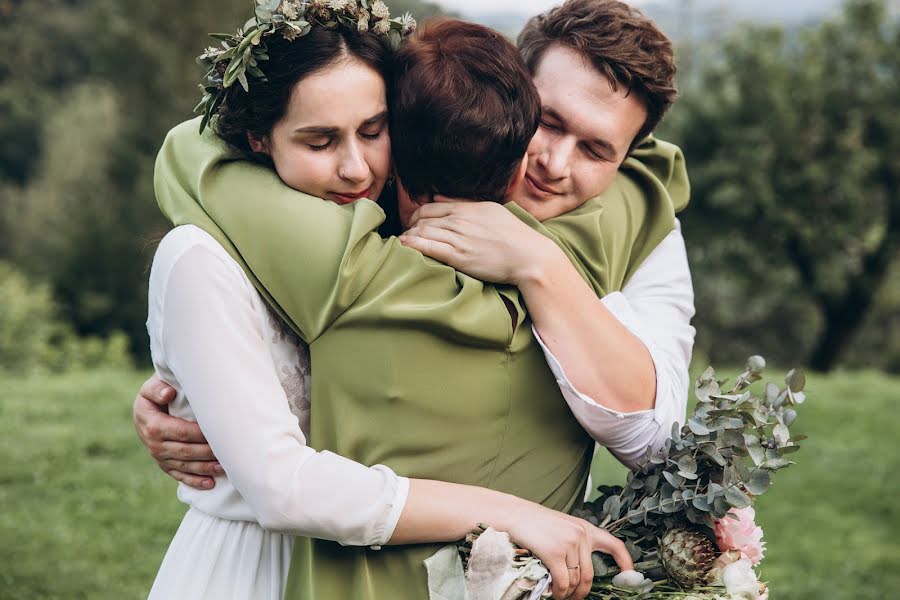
239,56
665,513
720,459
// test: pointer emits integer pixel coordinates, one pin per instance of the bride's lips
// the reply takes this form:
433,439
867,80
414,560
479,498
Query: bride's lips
351,197
540,189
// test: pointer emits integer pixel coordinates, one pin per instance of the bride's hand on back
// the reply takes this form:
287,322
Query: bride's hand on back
564,544
481,239
177,445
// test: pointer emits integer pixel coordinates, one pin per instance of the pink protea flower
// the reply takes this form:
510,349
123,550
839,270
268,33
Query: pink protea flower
742,534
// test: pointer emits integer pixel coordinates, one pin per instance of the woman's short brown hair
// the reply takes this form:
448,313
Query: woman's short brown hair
463,110
623,45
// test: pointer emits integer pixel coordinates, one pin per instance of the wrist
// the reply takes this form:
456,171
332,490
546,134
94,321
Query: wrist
512,512
538,270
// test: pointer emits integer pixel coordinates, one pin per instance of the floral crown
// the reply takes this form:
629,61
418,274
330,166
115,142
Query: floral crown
239,57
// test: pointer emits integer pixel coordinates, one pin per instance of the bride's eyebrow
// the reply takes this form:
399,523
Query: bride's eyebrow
321,130
317,130
379,117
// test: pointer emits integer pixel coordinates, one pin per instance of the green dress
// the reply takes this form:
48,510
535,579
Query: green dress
417,367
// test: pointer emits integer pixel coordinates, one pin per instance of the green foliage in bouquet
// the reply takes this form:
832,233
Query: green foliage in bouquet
722,458
667,512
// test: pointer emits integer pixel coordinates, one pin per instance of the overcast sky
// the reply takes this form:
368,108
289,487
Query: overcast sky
528,7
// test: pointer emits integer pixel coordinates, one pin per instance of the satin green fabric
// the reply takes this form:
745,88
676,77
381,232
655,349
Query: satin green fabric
417,366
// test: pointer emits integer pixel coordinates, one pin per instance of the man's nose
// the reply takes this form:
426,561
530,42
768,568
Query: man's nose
555,159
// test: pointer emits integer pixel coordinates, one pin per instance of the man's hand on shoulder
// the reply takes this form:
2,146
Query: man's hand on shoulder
178,446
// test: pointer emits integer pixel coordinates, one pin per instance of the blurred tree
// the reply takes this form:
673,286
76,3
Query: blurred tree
792,144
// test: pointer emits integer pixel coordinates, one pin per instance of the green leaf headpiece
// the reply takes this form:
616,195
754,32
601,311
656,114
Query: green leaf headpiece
239,55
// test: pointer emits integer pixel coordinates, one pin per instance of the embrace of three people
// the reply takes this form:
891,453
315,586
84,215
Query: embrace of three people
472,246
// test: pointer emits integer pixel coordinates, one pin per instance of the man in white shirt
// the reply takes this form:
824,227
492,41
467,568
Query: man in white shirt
604,74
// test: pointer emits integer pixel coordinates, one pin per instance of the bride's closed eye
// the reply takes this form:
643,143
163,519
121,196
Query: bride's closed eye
373,135
318,146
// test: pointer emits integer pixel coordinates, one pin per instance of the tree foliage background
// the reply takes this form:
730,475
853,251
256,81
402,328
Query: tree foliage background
792,140
793,147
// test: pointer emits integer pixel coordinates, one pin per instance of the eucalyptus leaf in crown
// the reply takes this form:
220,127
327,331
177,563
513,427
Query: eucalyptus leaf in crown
239,57
685,514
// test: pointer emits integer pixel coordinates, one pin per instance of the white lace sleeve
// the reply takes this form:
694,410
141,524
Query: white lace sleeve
214,346
656,306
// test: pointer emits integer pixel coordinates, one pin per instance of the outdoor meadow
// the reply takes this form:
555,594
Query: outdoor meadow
791,134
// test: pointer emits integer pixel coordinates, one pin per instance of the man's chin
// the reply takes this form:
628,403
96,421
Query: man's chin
545,208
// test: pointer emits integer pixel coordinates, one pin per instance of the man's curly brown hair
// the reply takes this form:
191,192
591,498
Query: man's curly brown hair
623,44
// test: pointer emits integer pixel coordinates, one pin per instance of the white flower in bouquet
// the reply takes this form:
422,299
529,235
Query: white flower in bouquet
740,580
632,580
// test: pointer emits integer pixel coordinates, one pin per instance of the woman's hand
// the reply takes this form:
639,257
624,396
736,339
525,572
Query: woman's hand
177,445
564,544
481,239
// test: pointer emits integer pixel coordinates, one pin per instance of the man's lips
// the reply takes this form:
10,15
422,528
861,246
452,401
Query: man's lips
540,188
352,196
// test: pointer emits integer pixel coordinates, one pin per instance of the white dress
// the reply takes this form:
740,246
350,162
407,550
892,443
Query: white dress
245,379
246,382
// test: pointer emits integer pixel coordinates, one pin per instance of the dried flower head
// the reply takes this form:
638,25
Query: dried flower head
380,10
382,27
291,33
408,24
289,10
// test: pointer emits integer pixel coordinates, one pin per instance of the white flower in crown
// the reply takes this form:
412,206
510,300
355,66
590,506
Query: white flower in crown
290,33
363,23
210,51
380,10
289,10
408,24
382,27
337,4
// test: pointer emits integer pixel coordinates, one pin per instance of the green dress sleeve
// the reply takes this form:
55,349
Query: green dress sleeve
313,256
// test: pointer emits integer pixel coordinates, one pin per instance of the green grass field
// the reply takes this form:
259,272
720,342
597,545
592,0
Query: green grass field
86,514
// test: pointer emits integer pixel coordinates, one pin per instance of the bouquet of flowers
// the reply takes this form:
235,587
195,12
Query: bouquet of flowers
686,514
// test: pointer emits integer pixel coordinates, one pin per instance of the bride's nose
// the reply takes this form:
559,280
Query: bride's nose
353,165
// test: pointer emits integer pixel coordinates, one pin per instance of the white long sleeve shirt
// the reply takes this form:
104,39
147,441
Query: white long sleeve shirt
214,340
656,305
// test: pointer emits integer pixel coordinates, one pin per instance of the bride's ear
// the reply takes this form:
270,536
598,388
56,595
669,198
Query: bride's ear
258,144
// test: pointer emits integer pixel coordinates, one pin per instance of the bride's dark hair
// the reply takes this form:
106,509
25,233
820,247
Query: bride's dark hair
256,112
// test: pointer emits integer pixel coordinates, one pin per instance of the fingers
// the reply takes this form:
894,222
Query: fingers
439,251
432,210
584,576
157,391
161,428
559,574
194,481
201,468
450,223
185,453
610,544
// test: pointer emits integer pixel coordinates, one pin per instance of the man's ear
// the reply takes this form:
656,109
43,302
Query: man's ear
258,144
519,175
